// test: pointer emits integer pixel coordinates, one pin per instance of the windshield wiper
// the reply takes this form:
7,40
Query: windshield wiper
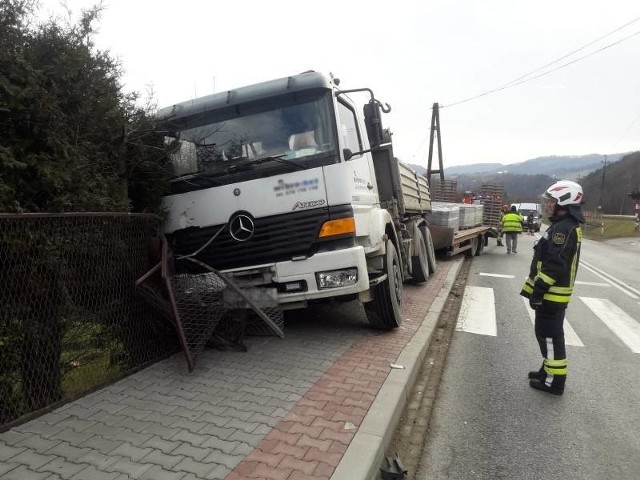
271,158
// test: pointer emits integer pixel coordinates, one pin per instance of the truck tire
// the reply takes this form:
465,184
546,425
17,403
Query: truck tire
384,311
420,262
480,247
431,253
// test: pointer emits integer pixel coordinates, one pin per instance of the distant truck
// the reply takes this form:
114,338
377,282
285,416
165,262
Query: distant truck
525,209
291,188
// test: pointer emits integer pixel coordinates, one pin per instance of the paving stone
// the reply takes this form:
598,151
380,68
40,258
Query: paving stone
21,472
158,473
126,466
39,428
191,438
224,446
199,469
247,427
158,457
110,406
6,467
70,452
8,451
92,473
216,431
72,437
134,438
190,451
31,459
102,445
97,459
131,452
249,438
62,467
165,446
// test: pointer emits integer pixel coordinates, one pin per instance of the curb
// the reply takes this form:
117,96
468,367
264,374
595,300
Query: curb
366,451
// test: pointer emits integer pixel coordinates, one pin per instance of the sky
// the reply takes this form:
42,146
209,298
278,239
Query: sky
411,54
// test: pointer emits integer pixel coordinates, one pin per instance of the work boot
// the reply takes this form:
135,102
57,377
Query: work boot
537,374
539,384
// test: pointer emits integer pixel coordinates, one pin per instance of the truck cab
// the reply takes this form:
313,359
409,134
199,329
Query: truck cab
276,182
525,209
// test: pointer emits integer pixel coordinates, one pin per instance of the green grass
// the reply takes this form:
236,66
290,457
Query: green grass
610,228
82,379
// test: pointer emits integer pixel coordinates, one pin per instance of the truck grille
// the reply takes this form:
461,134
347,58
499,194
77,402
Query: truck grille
276,238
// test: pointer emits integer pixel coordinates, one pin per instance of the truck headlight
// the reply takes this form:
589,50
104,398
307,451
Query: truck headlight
337,278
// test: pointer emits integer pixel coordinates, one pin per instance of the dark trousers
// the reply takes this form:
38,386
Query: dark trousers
550,335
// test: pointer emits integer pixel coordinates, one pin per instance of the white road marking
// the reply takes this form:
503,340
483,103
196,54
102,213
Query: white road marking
624,327
497,275
477,311
570,335
619,284
593,284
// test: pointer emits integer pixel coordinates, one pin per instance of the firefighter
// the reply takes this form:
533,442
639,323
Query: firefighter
550,283
512,227
504,209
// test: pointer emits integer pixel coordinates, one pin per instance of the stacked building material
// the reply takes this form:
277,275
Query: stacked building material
467,215
479,213
445,215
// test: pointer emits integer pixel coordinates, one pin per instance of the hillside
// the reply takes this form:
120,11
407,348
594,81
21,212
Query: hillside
569,167
620,177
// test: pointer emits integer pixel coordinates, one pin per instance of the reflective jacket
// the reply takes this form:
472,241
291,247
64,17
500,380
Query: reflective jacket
555,262
512,222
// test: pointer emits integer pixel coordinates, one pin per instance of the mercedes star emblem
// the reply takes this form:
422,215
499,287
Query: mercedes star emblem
241,227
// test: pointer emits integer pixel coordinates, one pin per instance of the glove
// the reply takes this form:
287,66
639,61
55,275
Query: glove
535,300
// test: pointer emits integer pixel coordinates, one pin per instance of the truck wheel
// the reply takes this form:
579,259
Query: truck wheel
419,263
384,311
474,246
481,244
431,253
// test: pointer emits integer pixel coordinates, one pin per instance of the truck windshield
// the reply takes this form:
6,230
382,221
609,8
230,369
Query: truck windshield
241,139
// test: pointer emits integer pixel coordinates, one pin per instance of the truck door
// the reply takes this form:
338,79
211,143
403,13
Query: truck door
360,167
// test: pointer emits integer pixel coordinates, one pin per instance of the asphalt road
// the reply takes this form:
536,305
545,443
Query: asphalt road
487,423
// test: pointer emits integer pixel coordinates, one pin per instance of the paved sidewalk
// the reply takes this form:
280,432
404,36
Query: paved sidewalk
322,403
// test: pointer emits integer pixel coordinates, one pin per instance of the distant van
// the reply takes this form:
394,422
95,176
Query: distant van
525,209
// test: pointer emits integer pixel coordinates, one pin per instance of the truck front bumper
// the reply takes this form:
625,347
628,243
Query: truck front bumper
304,272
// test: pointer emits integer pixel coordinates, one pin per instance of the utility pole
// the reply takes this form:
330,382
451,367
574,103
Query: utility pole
435,132
604,169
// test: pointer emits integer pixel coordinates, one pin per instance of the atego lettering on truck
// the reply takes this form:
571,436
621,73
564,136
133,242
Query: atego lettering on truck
291,184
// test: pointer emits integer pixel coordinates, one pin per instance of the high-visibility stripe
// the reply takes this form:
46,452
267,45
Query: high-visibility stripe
561,290
545,278
556,298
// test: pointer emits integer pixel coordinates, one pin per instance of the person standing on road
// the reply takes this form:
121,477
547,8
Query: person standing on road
550,283
530,227
512,226
503,211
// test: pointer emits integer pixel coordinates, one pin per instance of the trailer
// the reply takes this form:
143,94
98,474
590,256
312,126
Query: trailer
454,237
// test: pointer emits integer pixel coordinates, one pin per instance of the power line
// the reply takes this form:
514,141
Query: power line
574,51
524,79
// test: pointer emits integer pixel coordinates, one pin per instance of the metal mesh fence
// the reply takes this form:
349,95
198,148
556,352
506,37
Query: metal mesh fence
208,308
70,319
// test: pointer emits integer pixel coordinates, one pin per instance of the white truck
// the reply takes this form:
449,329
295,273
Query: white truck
290,187
525,209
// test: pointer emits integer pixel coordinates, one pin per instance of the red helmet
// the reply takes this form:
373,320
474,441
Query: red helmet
505,208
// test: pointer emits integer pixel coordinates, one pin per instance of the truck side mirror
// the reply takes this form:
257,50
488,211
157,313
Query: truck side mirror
348,154
373,123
